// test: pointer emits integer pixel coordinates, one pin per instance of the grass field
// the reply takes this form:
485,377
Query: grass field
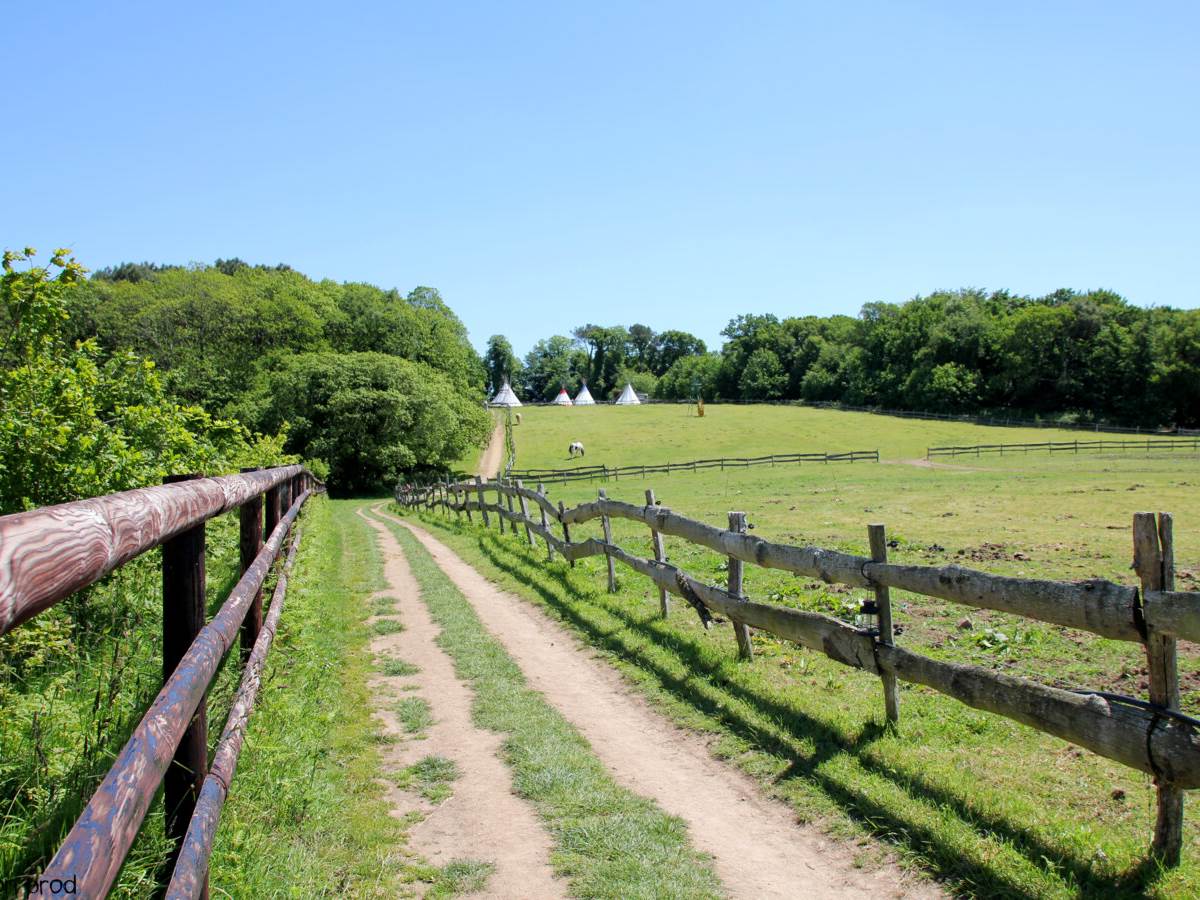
659,433
994,808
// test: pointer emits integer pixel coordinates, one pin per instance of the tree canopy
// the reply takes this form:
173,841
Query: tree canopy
222,335
1089,355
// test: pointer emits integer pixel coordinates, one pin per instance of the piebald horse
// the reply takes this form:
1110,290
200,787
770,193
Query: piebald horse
576,447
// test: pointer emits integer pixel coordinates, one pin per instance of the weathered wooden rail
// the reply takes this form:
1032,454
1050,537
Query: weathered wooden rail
590,473
1149,445
48,554
1152,735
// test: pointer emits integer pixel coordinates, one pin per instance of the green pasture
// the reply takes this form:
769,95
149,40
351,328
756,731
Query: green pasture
659,433
992,807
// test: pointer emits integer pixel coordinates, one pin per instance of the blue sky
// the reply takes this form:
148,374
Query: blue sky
546,165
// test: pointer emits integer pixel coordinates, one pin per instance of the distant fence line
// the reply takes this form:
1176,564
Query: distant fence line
1153,737
590,473
1149,445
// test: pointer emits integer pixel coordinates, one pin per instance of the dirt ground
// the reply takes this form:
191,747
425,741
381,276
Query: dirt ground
483,819
759,849
493,456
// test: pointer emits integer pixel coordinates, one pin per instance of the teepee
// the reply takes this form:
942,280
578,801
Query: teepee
628,396
563,398
584,397
505,397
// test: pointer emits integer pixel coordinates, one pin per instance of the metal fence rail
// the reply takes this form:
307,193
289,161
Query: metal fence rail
47,554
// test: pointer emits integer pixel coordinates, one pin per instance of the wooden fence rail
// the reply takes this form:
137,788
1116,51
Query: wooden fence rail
47,554
1149,445
1153,737
589,473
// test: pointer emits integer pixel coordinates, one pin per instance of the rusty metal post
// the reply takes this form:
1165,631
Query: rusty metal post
184,615
273,512
249,543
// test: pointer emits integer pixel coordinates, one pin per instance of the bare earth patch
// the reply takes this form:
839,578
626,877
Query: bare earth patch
493,456
759,849
482,819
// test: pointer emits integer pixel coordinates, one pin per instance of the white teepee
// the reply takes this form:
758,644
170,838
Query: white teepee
505,397
628,396
584,397
563,398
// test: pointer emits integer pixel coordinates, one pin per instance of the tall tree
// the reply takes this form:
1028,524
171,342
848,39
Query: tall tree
501,363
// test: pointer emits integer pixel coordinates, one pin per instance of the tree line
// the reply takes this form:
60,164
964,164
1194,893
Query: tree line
1071,355
112,381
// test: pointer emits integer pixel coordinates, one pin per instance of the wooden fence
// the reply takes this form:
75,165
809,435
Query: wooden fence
1150,736
50,553
1149,445
589,473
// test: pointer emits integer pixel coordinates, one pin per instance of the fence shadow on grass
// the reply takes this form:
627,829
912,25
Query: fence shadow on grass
553,584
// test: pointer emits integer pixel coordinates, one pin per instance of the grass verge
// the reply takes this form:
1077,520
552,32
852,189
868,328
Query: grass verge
306,815
609,842
992,808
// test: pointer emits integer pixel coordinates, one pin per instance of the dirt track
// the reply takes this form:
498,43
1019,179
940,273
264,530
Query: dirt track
759,849
483,819
493,456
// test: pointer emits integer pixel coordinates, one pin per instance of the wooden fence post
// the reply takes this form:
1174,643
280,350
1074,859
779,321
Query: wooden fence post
741,631
482,502
525,513
184,615
541,489
562,513
508,501
656,540
877,535
612,566
500,504
1154,560
249,543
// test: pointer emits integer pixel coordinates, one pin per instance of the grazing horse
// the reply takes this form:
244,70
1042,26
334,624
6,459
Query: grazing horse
576,447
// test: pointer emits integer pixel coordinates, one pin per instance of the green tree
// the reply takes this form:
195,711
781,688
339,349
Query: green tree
76,422
673,345
371,416
690,377
763,377
553,363
501,363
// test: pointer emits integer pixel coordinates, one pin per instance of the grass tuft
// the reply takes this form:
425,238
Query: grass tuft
398,667
387,626
382,606
414,714
461,876
430,777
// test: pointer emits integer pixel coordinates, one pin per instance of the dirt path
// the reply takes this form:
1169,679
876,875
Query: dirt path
759,849
484,819
493,456
922,463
